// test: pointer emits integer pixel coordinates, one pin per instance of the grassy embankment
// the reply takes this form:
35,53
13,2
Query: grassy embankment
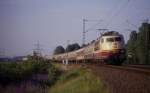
78,80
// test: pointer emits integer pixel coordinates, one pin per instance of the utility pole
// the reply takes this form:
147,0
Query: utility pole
37,51
83,42
84,28
2,53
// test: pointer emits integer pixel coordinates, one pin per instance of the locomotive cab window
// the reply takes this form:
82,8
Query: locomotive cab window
118,39
110,39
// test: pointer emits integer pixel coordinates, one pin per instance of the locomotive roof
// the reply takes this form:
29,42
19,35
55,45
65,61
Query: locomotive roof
110,33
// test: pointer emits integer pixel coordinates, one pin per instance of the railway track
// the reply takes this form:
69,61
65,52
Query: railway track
143,69
121,79
125,78
140,66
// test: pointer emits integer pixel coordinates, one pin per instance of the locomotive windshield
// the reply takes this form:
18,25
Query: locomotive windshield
110,40
117,38
113,39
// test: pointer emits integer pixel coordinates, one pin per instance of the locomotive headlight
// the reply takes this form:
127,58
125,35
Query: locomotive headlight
122,51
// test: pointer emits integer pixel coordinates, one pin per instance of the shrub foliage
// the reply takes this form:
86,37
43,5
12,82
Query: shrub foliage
17,71
138,46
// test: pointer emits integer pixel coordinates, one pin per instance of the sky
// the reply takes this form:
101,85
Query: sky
23,23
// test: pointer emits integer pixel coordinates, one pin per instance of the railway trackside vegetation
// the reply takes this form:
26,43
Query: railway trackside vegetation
13,72
78,81
138,46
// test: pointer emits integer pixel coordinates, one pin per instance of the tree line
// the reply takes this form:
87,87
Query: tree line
71,47
138,45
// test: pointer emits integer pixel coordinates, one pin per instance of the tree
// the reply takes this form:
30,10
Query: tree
133,35
72,47
139,44
76,46
144,43
59,50
69,48
131,47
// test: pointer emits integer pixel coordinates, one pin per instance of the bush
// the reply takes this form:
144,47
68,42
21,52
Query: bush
53,74
16,71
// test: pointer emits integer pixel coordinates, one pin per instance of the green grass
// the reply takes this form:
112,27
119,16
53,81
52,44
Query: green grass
78,81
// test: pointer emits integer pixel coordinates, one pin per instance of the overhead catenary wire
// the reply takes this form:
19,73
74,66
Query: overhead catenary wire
115,7
86,30
107,24
127,21
91,28
117,13
111,18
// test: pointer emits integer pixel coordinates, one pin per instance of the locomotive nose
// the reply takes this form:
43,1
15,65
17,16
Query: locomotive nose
115,45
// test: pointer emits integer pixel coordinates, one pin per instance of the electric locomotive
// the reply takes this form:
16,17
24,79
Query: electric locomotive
111,48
